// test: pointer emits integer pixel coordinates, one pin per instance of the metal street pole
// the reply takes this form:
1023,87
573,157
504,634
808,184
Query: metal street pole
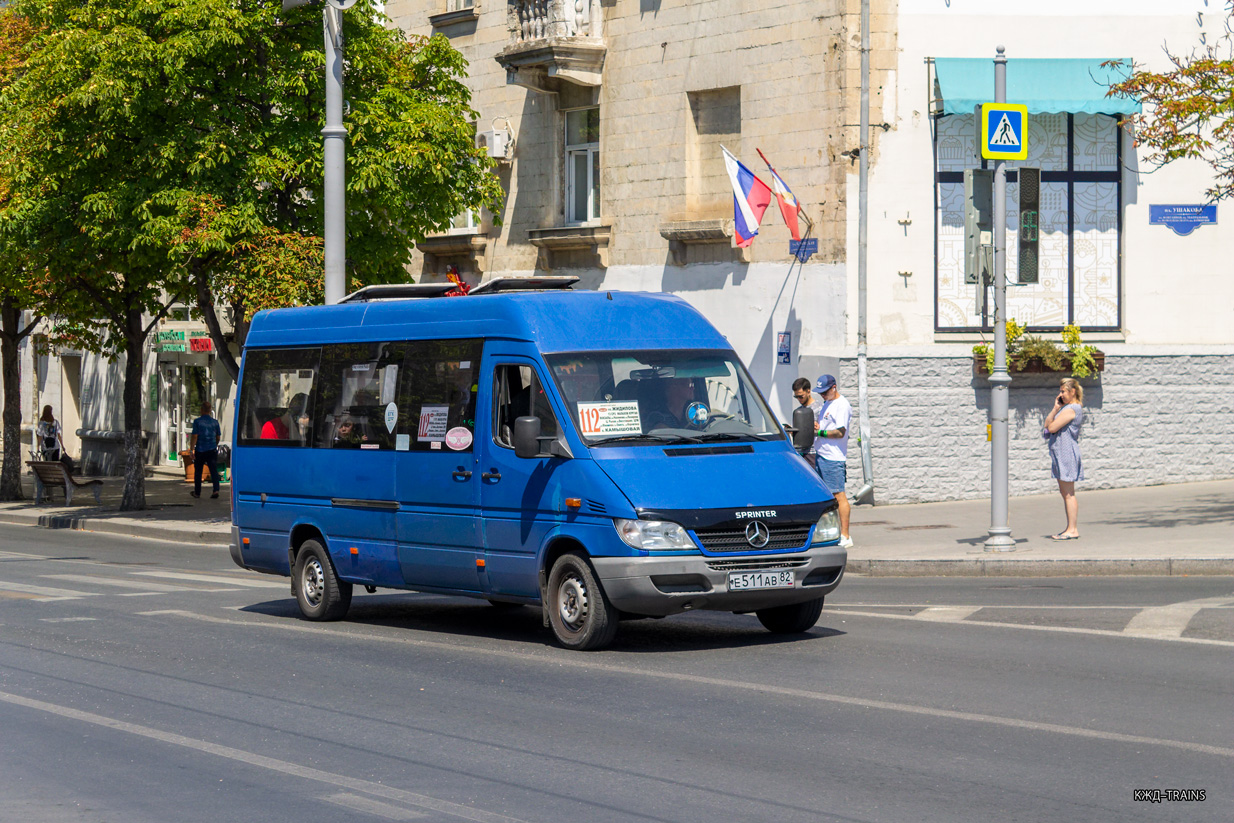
999,539
335,152
335,149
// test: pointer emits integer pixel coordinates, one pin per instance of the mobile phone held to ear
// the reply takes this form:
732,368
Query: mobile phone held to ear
1059,400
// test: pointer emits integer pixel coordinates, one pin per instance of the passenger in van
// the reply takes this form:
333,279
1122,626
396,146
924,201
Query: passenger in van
346,436
292,424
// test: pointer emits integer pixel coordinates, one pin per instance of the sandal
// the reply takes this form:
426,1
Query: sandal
1060,537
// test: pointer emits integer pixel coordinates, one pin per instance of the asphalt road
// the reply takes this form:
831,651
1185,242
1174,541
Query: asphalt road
146,681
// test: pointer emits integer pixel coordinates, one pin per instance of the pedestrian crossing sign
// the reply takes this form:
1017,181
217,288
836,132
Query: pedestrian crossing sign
1004,131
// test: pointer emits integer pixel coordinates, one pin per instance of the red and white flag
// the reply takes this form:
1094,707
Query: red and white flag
789,206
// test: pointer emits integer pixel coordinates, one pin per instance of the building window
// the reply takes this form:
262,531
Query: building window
459,5
582,166
465,221
1080,269
714,121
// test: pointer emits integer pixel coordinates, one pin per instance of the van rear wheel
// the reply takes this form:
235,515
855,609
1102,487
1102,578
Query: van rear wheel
319,592
578,610
794,619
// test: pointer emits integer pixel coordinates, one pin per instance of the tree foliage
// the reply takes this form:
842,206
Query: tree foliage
1188,110
158,150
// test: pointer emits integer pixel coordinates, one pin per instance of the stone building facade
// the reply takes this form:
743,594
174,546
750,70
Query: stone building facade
669,81
607,117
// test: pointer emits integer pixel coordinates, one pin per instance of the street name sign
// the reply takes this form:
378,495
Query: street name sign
1004,131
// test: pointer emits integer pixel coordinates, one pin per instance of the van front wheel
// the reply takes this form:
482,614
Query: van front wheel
579,611
794,619
319,592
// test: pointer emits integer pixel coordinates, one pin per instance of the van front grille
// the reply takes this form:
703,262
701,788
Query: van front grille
757,565
727,539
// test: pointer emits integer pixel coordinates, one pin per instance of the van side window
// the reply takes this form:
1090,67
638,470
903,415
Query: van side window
358,382
438,394
277,398
517,392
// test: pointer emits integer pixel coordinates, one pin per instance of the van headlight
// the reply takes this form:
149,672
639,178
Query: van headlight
655,534
828,527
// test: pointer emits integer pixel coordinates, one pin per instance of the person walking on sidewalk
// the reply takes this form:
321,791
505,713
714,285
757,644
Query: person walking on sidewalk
1062,433
831,447
205,445
807,398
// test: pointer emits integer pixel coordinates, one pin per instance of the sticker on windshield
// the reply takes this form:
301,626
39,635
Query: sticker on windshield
391,416
433,423
610,418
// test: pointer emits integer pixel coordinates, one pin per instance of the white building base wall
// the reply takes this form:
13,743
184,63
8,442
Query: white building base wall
1149,419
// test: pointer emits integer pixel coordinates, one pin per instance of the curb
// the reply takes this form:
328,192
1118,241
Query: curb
190,534
985,567
960,567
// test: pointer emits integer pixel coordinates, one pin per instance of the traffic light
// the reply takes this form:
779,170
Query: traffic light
978,226
1030,219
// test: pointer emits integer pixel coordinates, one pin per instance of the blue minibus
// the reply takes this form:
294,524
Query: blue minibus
602,455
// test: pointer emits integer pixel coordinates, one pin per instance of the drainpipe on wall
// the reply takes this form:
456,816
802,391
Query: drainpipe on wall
863,217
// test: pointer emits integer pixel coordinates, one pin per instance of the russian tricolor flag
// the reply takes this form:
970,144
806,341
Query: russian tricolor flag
750,199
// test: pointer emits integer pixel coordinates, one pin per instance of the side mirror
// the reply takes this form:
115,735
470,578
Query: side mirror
803,422
527,436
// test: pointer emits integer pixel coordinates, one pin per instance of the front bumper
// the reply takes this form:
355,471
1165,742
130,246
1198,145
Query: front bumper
660,586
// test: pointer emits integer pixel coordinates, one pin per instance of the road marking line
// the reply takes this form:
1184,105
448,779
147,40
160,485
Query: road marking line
120,582
21,596
44,591
947,614
66,619
588,663
1169,621
1030,627
207,578
369,806
263,762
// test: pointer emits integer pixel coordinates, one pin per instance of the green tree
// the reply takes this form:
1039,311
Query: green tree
1188,110
171,149
21,280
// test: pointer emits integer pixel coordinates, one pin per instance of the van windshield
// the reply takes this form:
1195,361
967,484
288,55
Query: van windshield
658,396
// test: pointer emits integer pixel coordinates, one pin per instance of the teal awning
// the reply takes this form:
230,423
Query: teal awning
1044,85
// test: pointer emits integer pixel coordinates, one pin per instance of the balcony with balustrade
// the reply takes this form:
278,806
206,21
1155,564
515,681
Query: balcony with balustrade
553,42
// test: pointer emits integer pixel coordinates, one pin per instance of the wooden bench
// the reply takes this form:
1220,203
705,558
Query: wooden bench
52,474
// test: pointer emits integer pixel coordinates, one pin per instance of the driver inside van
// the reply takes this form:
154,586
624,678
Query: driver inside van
678,395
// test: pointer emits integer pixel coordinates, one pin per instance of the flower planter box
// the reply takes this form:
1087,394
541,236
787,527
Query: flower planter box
1036,366
186,459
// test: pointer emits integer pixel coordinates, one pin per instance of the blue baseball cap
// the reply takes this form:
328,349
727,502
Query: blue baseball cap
824,383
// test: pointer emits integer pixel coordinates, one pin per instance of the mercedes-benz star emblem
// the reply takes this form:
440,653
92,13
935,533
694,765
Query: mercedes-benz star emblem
757,534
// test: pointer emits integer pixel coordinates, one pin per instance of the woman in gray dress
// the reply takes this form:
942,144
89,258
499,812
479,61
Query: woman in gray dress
1062,432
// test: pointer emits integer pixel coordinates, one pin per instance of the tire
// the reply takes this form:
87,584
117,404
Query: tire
319,592
578,609
794,619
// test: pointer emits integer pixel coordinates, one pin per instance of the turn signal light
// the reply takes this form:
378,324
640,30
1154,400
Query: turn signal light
244,540
354,550
574,502
479,562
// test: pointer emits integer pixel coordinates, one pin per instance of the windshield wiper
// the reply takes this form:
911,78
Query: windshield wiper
714,436
634,438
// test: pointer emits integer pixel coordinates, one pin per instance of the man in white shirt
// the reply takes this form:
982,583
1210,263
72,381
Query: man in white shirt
831,446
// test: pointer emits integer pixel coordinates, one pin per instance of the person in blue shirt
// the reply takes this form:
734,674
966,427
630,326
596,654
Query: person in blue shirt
205,445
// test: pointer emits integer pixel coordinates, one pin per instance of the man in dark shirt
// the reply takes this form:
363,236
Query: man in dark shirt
205,445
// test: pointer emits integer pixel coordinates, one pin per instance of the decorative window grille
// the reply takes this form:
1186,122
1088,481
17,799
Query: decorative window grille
1080,158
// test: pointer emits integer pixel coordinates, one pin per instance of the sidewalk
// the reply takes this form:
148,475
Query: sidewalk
172,513
1180,529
